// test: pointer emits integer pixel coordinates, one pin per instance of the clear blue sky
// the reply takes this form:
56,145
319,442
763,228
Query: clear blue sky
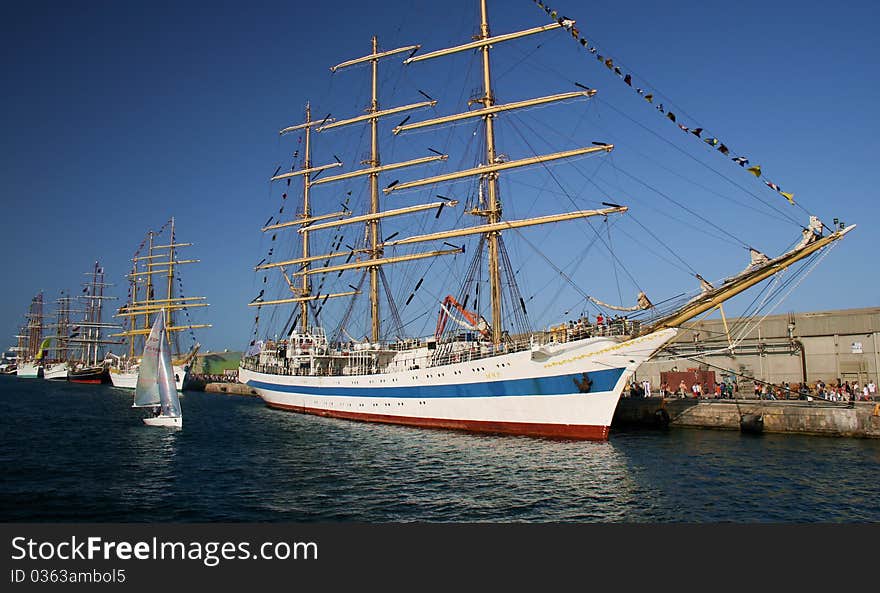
118,115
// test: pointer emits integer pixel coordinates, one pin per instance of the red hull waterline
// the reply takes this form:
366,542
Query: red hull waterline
552,431
97,376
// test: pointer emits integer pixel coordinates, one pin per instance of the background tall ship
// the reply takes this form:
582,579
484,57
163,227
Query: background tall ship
336,342
87,339
76,348
30,341
155,284
56,365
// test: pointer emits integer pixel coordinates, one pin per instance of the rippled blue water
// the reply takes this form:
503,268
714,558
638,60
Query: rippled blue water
81,453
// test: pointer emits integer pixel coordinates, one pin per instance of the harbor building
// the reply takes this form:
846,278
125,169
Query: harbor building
794,348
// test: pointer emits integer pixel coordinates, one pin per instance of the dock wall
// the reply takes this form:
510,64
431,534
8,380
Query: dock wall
795,417
229,389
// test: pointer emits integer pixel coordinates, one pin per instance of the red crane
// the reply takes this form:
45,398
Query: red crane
476,323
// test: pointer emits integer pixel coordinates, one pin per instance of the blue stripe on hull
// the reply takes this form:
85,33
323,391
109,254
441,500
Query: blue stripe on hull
602,381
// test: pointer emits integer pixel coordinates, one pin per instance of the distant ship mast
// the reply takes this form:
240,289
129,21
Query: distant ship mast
91,327
160,260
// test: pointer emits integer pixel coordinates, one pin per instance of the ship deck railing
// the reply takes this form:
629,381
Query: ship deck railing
445,353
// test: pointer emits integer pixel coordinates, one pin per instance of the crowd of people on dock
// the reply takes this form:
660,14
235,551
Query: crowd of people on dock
213,378
837,392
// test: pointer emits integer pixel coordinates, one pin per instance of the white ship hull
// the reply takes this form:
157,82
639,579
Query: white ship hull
570,391
128,379
29,370
169,421
56,371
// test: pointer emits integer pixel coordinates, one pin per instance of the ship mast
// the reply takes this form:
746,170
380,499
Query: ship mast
133,299
488,172
169,313
92,326
62,327
304,220
160,259
307,212
375,250
35,326
150,294
493,212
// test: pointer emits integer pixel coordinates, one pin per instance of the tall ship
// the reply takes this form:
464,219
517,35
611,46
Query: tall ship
57,364
338,335
31,346
87,340
155,283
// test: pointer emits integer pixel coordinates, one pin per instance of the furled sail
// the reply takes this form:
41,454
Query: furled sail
643,303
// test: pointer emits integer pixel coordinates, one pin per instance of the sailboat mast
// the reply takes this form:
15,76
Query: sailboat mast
375,250
307,213
493,212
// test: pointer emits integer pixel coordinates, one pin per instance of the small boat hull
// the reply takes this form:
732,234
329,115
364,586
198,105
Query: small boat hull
128,379
167,421
29,370
92,376
56,371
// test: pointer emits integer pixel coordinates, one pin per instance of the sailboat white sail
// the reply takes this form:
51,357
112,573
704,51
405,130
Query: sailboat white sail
155,383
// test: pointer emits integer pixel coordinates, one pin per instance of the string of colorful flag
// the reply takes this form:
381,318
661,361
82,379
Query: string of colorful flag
271,251
185,309
712,141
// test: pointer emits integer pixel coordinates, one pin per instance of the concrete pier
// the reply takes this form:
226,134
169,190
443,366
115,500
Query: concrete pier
230,389
795,417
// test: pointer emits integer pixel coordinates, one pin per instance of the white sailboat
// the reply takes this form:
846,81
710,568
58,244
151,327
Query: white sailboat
155,383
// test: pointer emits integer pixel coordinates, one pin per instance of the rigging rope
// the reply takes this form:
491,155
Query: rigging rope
549,172
712,142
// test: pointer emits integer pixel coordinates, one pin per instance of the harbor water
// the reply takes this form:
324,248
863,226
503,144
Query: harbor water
80,453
